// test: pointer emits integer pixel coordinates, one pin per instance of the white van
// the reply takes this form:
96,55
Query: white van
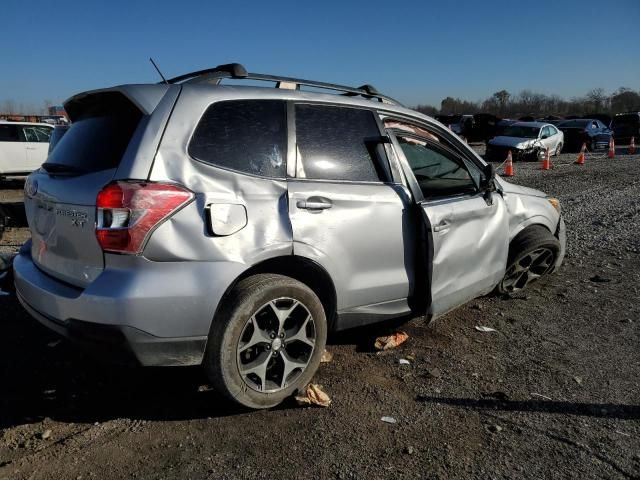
23,147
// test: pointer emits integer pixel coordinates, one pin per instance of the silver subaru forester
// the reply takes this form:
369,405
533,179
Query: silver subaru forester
200,221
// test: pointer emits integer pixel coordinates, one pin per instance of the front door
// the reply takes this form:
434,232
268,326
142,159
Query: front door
467,227
348,214
37,145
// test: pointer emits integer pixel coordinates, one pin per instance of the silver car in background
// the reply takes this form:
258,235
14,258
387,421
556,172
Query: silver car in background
233,227
526,141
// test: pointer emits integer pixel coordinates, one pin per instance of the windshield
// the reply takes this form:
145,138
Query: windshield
631,119
521,131
575,124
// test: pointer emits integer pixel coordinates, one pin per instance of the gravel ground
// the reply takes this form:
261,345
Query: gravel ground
554,393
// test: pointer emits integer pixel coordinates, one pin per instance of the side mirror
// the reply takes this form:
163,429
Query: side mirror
489,177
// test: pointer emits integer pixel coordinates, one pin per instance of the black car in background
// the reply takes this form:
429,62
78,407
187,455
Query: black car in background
625,126
592,132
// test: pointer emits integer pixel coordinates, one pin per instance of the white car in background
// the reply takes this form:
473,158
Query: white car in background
526,141
23,147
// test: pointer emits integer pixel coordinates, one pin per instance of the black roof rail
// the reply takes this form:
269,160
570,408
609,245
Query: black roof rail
238,71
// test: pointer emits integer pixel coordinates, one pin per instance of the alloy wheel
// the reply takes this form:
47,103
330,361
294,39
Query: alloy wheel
276,345
528,268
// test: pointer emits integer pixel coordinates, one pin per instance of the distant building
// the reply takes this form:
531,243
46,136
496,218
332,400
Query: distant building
57,111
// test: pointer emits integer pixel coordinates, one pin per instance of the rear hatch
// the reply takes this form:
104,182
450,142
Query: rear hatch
60,198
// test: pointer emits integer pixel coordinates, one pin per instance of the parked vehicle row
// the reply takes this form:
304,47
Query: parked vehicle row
193,223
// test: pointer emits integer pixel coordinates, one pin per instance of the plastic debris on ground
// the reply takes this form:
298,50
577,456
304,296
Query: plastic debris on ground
391,341
483,329
326,357
389,420
404,361
312,394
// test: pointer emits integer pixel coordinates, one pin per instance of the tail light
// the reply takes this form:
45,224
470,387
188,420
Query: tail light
128,211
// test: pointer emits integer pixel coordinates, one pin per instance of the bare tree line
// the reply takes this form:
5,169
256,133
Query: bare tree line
12,107
527,102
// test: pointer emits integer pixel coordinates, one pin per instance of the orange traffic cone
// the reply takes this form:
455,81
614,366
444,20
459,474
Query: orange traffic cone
632,146
508,168
612,148
580,159
546,162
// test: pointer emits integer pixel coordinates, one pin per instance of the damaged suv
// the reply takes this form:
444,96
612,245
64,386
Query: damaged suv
199,221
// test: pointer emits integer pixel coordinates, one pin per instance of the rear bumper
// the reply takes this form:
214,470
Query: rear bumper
150,313
121,344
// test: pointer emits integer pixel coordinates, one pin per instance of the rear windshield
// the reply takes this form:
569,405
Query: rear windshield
632,119
521,132
102,127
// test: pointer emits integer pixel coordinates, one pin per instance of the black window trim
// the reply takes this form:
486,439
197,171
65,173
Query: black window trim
233,170
293,139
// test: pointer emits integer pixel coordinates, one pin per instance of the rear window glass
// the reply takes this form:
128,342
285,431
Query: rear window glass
248,136
103,125
332,143
10,133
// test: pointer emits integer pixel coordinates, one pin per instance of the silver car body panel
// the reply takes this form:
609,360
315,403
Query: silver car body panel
366,241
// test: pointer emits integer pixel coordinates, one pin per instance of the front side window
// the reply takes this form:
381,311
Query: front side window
438,171
37,134
335,143
10,133
248,136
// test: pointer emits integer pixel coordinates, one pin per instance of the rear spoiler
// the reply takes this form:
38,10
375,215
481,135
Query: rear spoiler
145,97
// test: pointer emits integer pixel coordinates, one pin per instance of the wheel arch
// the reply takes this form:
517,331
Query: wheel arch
299,268
539,220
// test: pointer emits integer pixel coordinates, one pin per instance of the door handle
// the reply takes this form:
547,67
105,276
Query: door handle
443,225
314,203
31,148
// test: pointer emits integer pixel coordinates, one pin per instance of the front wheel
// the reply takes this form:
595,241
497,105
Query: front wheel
266,341
532,254
558,149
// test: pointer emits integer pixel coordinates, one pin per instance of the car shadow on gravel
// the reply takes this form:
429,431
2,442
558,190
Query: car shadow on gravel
601,410
43,376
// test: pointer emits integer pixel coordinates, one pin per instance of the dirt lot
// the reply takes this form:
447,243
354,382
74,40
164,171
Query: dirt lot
554,393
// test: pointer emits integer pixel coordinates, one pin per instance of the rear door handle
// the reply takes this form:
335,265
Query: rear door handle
443,225
314,203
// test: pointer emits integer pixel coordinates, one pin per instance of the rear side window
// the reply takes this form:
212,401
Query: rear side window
248,136
103,125
332,143
10,133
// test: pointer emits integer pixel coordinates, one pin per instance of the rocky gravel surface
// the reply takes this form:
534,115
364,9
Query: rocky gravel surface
554,392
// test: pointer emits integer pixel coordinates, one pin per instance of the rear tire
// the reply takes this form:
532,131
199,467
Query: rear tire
532,254
266,341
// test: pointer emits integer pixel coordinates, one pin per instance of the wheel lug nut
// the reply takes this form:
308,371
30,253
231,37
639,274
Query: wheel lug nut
275,354
268,347
273,335
282,335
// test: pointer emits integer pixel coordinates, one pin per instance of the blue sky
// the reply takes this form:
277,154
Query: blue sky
416,51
